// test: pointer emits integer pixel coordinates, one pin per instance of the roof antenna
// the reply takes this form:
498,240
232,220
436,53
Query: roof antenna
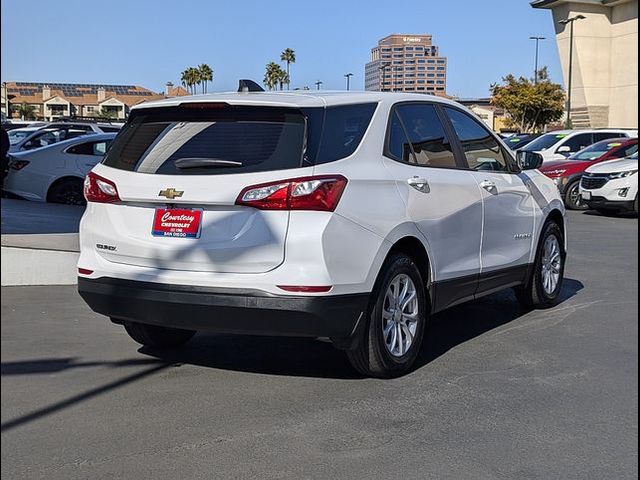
249,86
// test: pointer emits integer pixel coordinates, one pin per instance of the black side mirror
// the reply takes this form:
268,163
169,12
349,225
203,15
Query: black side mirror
530,160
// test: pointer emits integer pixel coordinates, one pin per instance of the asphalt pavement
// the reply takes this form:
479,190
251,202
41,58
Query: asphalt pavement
499,392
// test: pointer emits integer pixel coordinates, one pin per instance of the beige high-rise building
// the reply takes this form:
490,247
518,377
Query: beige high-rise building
406,63
605,59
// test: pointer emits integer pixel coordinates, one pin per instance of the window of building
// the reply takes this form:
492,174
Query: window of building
431,68
397,49
420,81
441,68
386,56
431,75
421,61
420,88
441,61
397,55
440,75
408,49
419,49
420,68
482,150
440,82
420,139
410,61
431,61
430,81
408,55
386,49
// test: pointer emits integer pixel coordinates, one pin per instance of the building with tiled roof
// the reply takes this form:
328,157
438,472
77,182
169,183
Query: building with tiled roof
54,100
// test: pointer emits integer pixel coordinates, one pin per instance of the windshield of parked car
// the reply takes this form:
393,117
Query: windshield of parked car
214,139
595,151
545,141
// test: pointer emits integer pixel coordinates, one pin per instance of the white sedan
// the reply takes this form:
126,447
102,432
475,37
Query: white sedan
56,173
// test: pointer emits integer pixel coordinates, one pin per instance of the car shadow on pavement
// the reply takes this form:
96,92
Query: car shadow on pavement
307,357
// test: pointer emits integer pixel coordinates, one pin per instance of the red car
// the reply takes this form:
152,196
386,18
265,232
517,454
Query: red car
567,173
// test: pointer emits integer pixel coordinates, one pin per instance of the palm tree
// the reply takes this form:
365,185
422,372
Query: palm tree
272,75
26,111
283,78
190,78
289,56
206,75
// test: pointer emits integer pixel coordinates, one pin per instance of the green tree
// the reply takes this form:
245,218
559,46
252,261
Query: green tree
26,111
206,76
289,56
107,113
530,106
190,78
273,75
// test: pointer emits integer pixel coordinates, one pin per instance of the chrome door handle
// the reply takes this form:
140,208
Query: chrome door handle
489,186
419,184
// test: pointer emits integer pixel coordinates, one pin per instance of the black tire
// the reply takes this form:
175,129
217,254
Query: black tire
68,191
157,337
372,357
572,197
533,294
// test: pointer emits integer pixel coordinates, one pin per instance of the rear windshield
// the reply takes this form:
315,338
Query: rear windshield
213,139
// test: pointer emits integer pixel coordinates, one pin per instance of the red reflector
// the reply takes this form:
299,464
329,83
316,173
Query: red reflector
304,288
84,271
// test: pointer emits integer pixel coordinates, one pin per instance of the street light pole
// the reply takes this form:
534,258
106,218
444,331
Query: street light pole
383,67
348,76
535,72
317,84
570,22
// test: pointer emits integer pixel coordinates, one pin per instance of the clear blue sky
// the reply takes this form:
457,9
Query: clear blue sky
148,43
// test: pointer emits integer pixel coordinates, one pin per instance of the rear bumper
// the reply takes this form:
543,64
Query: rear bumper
224,310
603,203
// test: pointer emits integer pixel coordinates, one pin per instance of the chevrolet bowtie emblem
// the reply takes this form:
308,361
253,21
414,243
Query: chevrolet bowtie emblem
170,193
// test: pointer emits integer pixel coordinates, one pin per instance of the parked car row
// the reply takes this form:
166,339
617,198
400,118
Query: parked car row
48,163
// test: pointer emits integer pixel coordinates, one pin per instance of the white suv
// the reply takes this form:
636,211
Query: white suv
348,216
561,144
612,186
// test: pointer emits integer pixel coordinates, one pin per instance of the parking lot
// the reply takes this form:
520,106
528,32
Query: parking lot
499,392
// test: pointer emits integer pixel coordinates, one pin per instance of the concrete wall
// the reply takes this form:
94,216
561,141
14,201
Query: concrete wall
605,63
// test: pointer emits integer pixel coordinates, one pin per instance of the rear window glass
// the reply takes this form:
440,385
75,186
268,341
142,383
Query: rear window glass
222,139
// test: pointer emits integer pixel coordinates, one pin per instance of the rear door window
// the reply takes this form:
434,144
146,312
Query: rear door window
90,148
481,149
577,142
210,139
599,136
431,145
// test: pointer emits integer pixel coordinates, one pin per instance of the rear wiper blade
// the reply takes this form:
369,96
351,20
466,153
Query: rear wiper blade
197,162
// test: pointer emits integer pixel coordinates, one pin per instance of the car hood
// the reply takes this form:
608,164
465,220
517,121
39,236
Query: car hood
569,166
613,166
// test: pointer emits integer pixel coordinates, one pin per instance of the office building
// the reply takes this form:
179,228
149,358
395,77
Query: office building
406,63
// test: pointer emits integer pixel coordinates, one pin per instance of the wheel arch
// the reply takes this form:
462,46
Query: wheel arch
59,180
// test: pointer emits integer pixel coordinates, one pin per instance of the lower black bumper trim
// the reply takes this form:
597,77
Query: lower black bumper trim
603,203
223,310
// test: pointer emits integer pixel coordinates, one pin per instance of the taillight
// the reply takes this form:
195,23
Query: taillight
19,164
319,193
100,190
